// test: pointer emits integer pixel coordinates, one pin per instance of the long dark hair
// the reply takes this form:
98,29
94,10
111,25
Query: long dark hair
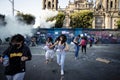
50,39
57,39
64,38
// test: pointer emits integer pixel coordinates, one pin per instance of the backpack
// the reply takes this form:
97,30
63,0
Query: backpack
83,42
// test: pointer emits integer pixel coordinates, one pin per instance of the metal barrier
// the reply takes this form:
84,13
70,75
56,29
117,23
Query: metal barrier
105,36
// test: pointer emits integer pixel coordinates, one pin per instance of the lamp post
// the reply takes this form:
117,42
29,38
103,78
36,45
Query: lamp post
12,2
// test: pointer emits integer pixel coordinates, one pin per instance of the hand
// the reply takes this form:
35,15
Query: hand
66,49
1,59
24,58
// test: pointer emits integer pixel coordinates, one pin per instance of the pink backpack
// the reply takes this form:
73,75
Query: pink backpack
83,42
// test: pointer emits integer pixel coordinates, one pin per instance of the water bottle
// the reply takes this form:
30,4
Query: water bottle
6,60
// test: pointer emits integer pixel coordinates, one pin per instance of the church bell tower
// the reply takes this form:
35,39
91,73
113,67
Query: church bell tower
50,4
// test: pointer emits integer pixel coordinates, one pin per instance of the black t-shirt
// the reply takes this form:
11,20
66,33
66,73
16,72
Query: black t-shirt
15,63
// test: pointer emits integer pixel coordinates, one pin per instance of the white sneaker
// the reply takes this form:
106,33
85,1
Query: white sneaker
59,64
62,72
75,58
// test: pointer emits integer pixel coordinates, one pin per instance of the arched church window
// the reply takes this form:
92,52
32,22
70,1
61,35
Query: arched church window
53,5
107,3
45,6
49,4
111,4
115,4
99,7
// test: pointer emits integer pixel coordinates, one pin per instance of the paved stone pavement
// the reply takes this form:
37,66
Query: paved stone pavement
85,68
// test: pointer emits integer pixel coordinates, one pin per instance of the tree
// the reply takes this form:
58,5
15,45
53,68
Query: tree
26,18
81,19
59,19
118,24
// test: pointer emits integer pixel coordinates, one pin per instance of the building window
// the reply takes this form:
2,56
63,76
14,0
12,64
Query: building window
115,4
100,7
111,4
53,5
45,6
107,4
49,4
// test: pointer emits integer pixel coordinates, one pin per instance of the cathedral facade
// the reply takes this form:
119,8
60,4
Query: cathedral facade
106,12
78,5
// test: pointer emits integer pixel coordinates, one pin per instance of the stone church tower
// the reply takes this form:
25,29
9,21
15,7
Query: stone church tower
50,4
106,14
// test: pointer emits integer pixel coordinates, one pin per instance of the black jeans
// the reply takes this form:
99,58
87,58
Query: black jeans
83,48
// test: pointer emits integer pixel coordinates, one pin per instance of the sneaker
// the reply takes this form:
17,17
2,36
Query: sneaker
62,72
76,58
59,64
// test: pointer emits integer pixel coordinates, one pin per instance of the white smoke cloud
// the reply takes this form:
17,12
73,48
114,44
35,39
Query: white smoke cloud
14,27
44,15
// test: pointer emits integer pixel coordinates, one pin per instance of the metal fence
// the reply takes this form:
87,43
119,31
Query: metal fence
105,36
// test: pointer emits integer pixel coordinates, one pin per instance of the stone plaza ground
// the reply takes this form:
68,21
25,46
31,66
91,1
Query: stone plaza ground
85,68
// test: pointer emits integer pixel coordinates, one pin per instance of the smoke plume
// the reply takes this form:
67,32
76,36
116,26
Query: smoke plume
14,27
41,19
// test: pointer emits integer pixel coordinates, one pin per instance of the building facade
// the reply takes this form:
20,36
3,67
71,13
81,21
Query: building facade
106,14
50,4
78,5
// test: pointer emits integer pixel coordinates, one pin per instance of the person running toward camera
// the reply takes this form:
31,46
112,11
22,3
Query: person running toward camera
14,58
61,49
49,51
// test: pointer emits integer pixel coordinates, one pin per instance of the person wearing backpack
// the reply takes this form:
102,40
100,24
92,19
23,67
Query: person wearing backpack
83,44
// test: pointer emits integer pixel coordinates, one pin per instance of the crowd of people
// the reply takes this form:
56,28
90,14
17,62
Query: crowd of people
18,53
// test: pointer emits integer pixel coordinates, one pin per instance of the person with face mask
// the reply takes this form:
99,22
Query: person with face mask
18,53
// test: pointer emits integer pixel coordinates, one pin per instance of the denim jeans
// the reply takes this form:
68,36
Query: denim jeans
18,76
61,58
76,50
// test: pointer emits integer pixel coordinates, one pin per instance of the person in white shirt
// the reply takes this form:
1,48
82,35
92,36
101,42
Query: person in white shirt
62,47
49,55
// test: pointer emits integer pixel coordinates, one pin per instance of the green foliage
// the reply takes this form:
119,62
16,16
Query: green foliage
26,18
59,19
118,24
81,19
